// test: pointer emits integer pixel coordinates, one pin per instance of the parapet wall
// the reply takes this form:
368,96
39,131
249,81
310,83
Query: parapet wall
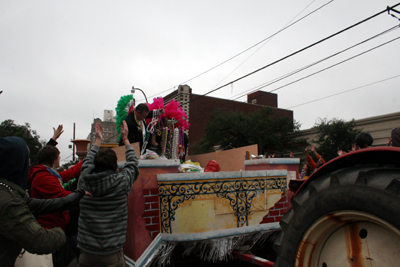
202,202
292,166
165,201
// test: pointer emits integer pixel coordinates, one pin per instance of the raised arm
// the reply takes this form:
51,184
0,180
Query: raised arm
313,150
124,133
88,162
130,170
56,134
310,161
99,134
306,151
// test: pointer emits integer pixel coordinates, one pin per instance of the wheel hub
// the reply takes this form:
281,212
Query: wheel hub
349,238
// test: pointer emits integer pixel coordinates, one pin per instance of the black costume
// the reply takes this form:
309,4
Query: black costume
135,131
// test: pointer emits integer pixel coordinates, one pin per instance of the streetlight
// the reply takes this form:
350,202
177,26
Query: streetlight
133,91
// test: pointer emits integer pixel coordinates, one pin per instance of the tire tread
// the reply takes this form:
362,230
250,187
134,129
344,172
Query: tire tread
372,176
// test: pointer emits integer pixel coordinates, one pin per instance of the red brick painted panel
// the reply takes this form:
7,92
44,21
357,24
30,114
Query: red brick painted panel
151,199
146,192
268,220
154,191
153,227
154,206
151,213
155,220
273,213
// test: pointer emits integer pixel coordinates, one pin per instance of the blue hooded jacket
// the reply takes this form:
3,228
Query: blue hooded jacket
14,160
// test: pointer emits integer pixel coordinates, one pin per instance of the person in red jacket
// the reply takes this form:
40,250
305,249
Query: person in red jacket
47,183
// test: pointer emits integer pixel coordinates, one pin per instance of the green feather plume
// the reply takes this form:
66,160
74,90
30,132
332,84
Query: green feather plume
122,112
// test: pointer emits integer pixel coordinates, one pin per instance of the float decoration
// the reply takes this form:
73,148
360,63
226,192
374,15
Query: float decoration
126,104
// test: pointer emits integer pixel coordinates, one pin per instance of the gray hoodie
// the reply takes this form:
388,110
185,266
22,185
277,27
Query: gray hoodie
103,217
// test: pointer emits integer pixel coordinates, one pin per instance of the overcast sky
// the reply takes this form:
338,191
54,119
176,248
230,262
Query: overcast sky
66,61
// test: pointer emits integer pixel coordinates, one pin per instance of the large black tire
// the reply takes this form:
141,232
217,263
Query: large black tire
350,206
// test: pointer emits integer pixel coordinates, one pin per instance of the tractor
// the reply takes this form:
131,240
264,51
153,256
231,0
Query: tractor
347,213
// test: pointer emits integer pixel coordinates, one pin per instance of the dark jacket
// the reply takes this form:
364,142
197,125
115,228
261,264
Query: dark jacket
103,217
18,226
135,133
44,206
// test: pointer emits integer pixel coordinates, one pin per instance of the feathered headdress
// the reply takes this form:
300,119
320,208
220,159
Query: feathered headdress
171,110
126,104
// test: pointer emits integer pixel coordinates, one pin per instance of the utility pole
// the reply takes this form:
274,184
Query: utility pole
73,146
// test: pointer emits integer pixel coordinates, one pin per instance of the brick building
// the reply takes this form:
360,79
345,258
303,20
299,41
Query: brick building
199,108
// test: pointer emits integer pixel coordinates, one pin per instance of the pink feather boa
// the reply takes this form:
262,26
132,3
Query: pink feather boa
171,110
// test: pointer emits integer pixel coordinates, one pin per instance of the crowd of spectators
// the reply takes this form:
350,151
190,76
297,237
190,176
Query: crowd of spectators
35,202
362,140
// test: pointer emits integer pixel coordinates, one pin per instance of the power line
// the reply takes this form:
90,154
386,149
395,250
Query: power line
307,76
366,51
260,42
266,41
346,91
305,48
292,54
310,65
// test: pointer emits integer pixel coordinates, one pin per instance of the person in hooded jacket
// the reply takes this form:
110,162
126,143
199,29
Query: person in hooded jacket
103,217
19,228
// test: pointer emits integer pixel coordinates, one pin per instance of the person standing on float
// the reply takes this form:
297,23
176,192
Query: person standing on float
137,125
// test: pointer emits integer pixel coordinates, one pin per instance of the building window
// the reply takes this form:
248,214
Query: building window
254,101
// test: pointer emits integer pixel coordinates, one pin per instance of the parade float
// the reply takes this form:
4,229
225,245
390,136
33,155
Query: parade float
176,217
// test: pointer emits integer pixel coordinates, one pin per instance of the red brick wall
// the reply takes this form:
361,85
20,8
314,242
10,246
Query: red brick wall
275,213
151,213
263,98
203,107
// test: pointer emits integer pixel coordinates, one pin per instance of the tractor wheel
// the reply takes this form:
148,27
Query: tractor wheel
350,217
